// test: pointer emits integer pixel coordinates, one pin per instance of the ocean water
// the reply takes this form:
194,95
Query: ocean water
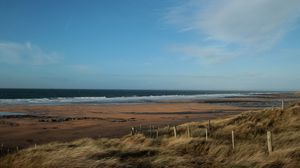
10,113
69,96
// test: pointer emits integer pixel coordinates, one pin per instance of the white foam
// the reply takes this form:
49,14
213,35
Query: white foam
133,99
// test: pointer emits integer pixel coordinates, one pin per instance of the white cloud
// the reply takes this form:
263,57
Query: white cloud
255,25
206,54
26,53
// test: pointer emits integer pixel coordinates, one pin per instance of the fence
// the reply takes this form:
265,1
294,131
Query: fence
157,132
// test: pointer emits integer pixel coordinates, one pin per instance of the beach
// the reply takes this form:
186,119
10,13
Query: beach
40,124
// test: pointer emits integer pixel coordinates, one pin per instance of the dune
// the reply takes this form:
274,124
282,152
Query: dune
164,150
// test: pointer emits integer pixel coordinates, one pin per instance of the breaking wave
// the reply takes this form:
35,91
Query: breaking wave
107,100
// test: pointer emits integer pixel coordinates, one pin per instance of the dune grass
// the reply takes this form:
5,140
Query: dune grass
166,151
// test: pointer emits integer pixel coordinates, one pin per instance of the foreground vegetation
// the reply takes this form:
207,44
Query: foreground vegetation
167,151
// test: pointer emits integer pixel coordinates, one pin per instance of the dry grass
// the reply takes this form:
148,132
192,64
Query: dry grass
140,151
297,93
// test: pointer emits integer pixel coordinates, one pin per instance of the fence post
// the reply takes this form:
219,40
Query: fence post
175,131
150,131
282,104
153,130
34,146
206,134
132,131
157,132
269,141
141,129
232,138
188,131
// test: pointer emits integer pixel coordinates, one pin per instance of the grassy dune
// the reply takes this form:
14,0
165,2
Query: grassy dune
166,151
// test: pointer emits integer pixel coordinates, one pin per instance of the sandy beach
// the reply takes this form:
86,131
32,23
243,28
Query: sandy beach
46,123
97,120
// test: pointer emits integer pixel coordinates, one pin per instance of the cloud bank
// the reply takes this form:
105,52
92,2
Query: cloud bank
26,53
256,25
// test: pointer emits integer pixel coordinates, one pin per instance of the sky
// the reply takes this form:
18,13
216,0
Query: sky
157,44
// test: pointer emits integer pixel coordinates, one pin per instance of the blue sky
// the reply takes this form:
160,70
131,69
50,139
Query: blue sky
142,44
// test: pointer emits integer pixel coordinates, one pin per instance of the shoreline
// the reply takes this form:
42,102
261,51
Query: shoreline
133,99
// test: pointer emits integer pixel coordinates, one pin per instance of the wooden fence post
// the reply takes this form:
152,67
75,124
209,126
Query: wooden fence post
206,134
132,131
232,139
141,129
269,141
153,130
34,146
150,131
188,131
157,132
175,131
282,104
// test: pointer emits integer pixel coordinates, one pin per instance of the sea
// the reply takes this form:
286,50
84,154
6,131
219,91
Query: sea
106,96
